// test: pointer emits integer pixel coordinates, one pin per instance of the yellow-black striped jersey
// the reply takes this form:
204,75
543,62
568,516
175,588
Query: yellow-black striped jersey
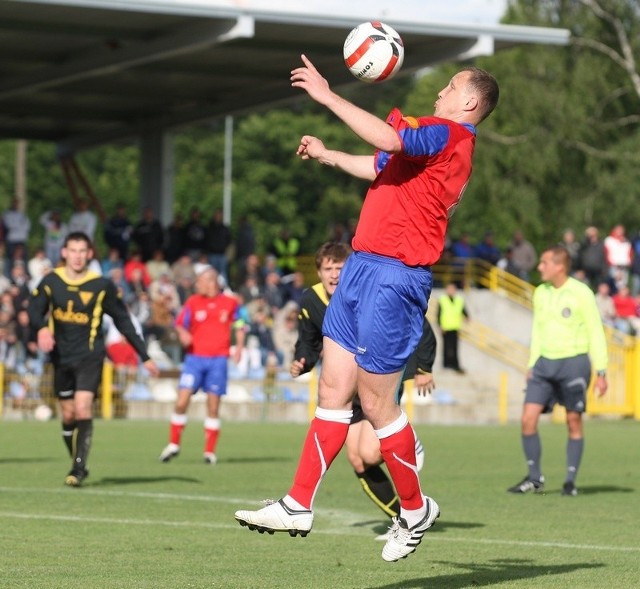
73,310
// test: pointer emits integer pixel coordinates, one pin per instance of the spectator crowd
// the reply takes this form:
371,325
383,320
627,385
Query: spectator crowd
155,267
609,265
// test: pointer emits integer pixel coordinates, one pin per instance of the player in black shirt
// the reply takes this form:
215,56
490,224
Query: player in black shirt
363,447
66,310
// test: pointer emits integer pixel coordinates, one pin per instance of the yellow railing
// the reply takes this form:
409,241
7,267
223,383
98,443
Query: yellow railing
22,393
478,273
495,344
623,396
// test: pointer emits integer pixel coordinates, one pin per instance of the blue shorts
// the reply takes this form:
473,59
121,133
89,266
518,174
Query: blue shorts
377,311
206,373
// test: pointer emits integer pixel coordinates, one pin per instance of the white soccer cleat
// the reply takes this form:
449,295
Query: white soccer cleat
170,451
210,458
277,516
404,540
419,455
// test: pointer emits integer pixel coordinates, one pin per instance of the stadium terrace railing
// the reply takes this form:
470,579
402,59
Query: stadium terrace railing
473,272
623,396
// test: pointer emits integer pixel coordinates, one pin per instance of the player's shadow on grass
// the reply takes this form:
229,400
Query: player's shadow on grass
439,526
492,573
596,489
29,460
108,481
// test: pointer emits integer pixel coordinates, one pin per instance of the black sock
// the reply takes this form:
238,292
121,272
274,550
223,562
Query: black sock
67,435
83,443
379,489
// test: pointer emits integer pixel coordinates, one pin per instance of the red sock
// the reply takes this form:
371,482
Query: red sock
325,438
176,426
211,434
399,452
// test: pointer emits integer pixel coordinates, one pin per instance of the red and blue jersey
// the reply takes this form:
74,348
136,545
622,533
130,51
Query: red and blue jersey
210,321
408,205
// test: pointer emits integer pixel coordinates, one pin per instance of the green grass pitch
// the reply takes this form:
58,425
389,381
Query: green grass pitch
138,523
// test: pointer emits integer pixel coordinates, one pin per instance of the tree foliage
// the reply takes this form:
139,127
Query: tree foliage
560,149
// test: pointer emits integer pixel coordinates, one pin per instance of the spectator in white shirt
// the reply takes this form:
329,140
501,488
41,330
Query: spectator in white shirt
38,266
17,227
83,220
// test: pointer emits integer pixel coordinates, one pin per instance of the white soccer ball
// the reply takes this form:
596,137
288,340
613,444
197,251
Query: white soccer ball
373,52
43,413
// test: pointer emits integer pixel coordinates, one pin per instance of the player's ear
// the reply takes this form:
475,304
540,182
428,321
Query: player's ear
472,103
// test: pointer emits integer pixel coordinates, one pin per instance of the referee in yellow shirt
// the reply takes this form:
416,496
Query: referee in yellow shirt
567,337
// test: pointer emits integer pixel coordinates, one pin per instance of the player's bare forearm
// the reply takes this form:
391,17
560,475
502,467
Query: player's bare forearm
184,336
239,347
360,166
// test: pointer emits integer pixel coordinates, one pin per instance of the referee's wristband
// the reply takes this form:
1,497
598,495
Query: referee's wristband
601,373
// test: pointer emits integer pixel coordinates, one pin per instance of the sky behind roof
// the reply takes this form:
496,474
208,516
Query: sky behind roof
462,11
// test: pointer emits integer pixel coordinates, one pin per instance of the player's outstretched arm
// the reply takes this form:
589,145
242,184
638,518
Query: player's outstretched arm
370,128
360,166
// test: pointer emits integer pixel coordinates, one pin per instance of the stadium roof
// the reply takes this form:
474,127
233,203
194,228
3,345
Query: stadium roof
83,72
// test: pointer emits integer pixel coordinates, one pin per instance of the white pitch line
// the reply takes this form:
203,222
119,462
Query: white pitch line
344,531
540,544
108,520
143,495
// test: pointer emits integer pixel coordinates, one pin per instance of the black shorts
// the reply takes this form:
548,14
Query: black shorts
563,381
358,414
81,376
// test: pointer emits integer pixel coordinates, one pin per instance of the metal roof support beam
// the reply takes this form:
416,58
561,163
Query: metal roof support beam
188,40
157,174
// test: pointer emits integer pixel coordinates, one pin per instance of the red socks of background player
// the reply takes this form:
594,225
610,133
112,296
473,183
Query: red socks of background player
211,434
176,426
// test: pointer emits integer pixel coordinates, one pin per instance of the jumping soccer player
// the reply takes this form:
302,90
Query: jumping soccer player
363,447
418,175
